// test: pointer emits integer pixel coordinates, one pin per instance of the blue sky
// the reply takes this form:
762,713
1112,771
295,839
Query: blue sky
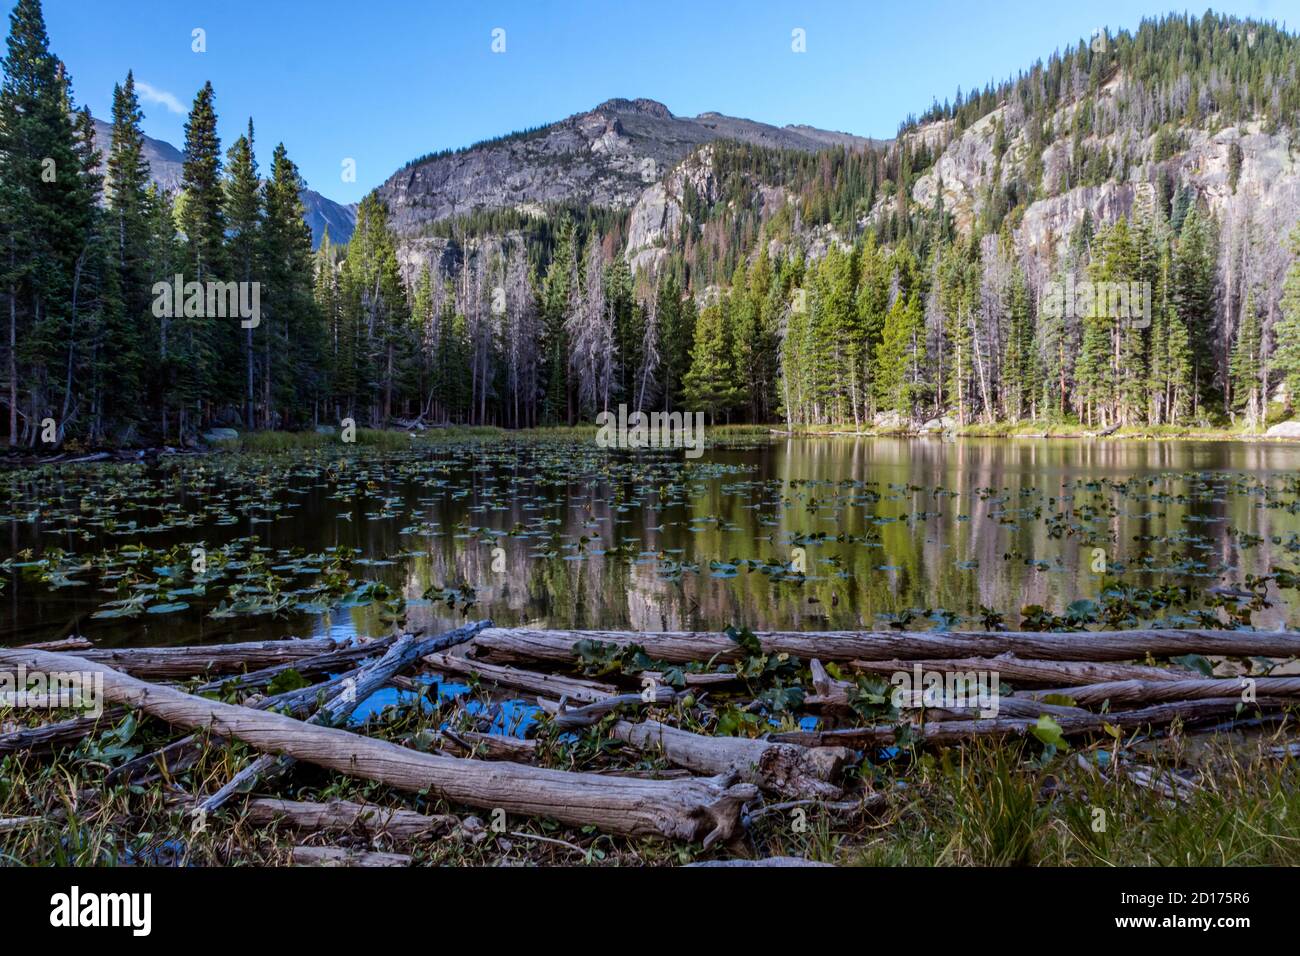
384,81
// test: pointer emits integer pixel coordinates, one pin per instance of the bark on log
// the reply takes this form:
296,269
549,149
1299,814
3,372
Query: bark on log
688,810
551,685
1150,692
345,815
682,646
340,705
788,769
1032,673
955,731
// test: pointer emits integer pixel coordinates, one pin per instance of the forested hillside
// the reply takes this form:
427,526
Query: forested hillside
629,256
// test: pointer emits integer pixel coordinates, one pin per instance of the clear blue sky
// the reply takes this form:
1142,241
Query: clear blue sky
384,81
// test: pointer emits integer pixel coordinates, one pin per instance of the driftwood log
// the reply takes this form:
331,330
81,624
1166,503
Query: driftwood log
552,685
1031,673
516,644
337,856
1150,692
688,810
171,662
784,768
59,733
955,731
345,815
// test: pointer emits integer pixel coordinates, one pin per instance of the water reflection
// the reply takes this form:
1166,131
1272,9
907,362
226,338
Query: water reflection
594,541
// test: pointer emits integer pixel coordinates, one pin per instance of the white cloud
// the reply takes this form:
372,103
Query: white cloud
151,94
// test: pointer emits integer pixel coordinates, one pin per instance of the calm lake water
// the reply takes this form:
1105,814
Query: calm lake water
559,533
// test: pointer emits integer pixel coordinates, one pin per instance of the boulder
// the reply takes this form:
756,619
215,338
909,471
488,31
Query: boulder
1289,429
326,430
943,423
220,434
889,419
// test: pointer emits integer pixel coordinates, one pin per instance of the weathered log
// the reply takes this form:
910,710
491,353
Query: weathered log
575,718
552,685
681,646
165,662
784,768
1150,692
493,746
180,755
19,823
343,701
1032,673
51,735
954,731
337,856
345,815
331,660
688,810
766,861
65,644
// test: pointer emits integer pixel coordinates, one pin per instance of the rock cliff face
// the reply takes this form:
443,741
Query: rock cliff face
166,164
611,156
1265,197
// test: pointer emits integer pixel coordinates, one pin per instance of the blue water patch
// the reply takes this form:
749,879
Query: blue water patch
511,718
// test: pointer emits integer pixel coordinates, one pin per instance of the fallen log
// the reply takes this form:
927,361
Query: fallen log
19,823
48,736
336,856
67,644
156,662
836,696
180,755
687,810
955,731
682,646
345,815
766,861
552,685
492,746
575,718
331,660
344,700
1150,692
784,768
1019,670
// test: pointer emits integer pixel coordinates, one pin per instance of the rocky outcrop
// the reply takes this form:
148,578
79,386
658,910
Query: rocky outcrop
1289,429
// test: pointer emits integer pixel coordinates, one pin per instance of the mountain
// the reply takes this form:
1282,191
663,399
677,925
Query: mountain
605,157
166,164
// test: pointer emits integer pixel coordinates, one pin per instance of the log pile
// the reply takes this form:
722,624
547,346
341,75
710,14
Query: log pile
1081,684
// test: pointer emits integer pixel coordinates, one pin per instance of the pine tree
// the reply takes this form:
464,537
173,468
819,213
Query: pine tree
1245,366
242,207
1286,354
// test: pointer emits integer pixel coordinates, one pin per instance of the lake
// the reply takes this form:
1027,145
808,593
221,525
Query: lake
798,533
